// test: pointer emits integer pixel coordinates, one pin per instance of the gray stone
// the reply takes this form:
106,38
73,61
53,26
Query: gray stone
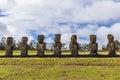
24,46
93,46
40,45
111,47
57,45
74,46
9,47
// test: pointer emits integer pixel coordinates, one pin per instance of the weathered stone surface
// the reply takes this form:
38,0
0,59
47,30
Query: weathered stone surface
40,45
74,46
93,46
24,46
9,47
111,47
57,45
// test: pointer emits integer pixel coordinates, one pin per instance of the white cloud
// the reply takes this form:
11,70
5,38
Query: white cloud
3,30
43,17
100,11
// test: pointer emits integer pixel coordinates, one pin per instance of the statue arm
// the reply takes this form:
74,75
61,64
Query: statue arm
45,46
97,46
13,46
27,46
78,46
70,46
60,45
115,46
107,47
20,45
89,47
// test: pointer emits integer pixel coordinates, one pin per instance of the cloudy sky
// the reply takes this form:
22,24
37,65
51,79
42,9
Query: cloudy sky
81,17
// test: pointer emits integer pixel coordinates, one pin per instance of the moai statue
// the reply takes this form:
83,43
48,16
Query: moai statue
93,46
24,46
57,45
40,45
74,46
111,45
9,47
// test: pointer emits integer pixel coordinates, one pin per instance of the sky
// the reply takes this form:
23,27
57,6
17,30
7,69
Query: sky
67,17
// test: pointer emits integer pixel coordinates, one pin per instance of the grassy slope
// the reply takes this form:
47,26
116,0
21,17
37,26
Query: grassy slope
59,68
58,72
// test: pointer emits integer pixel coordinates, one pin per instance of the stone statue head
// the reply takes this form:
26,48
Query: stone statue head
40,38
74,38
24,40
57,38
9,40
93,38
110,38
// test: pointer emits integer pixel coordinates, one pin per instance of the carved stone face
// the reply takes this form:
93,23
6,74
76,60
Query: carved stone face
9,40
110,38
74,38
40,38
111,45
93,38
24,40
57,38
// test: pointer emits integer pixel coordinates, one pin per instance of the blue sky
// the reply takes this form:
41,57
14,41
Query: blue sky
81,17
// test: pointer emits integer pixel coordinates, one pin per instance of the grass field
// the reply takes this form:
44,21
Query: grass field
33,52
59,68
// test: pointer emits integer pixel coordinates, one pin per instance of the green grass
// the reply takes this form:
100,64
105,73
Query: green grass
33,52
59,68
58,72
